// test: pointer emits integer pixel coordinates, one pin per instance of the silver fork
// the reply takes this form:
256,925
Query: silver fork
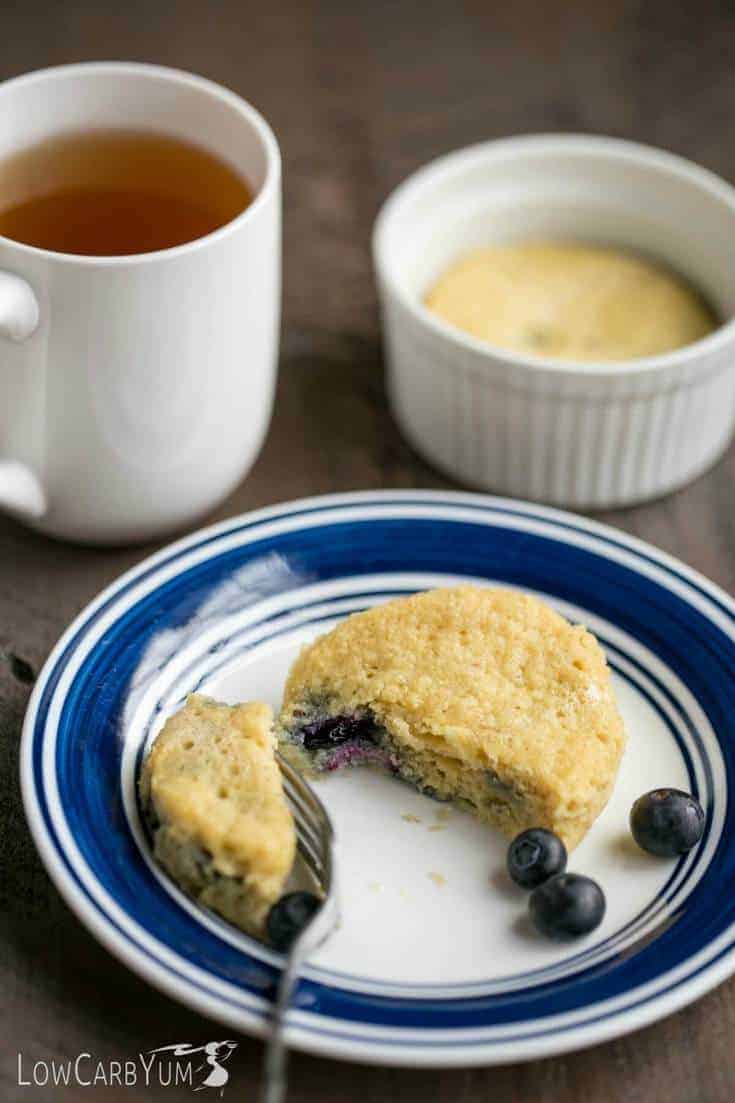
315,838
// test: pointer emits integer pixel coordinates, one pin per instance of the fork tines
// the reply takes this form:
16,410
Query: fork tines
313,829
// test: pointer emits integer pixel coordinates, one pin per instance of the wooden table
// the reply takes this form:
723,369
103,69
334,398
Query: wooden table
359,94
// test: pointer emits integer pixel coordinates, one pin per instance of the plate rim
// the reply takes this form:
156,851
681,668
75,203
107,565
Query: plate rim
412,1053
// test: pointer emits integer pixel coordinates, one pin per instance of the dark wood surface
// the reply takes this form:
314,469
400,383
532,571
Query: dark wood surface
359,94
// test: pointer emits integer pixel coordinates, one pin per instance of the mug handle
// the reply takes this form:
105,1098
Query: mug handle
20,490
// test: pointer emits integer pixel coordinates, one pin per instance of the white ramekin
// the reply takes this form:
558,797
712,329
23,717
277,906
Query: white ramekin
592,435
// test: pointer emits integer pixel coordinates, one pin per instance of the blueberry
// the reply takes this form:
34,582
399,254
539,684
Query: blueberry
288,917
667,822
333,731
566,906
534,856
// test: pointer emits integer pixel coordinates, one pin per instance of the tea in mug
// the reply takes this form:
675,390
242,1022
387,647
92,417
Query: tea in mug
116,193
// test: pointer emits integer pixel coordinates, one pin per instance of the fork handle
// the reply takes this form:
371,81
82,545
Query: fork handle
276,1056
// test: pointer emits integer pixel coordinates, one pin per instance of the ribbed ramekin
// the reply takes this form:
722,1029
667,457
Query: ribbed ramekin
592,435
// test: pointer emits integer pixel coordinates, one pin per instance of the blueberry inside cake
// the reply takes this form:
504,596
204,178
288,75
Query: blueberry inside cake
484,697
212,797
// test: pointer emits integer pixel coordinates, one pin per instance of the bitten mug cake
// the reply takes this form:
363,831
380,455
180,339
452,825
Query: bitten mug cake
484,697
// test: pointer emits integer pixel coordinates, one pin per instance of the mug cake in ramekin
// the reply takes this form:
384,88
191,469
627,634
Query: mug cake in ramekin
538,390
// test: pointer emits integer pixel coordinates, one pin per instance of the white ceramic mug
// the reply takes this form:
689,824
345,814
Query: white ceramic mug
135,391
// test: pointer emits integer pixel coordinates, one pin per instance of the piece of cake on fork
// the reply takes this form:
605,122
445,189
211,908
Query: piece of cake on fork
212,796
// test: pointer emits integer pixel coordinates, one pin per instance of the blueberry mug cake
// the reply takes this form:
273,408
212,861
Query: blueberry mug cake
484,697
212,796
573,300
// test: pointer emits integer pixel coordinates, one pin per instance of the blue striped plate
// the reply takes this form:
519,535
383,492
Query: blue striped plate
434,963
